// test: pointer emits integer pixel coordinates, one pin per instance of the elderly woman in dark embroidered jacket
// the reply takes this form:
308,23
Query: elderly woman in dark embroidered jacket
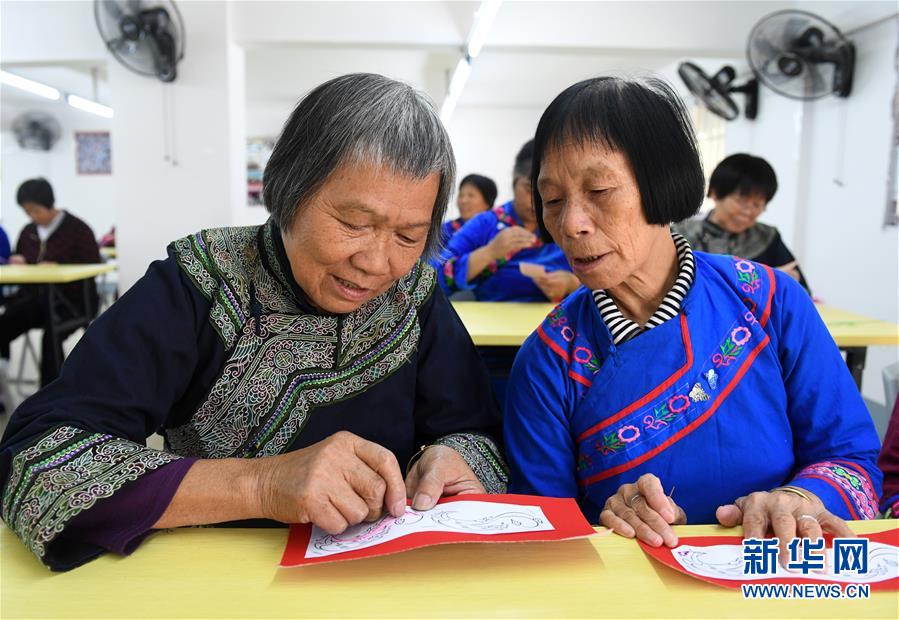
316,343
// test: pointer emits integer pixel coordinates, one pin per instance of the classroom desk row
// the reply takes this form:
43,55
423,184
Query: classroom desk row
233,573
50,276
494,324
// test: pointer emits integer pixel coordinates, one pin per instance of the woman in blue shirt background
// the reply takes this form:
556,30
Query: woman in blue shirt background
498,256
477,194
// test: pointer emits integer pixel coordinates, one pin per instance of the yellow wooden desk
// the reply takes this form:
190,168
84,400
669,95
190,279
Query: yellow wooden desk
498,324
501,324
71,318
108,253
51,274
855,330
232,573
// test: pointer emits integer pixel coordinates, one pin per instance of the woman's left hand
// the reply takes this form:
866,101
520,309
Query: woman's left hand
556,285
786,514
440,471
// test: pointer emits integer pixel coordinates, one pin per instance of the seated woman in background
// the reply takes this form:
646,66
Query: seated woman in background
290,366
676,384
741,186
53,236
498,256
476,195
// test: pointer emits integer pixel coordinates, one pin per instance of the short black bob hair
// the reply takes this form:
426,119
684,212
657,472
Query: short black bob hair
647,122
37,191
745,174
484,185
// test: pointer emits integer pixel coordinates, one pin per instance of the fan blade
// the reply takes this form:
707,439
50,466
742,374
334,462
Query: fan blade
115,44
792,30
113,9
764,47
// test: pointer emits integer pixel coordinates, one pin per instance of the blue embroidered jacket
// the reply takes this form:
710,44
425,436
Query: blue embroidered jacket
743,391
501,280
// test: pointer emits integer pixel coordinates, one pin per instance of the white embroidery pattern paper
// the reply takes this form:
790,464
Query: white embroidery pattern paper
726,562
472,517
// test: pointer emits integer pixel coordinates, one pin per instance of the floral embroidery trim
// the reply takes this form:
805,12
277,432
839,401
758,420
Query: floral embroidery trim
732,347
449,273
750,283
854,488
747,276
64,472
672,406
646,399
683,432
582,355
482,456
666,411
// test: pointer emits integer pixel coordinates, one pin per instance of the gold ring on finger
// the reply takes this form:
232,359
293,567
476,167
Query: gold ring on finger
812,517
631,501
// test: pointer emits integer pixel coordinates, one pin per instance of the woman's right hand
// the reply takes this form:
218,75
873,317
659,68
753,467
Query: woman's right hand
338,482
511,240
643,509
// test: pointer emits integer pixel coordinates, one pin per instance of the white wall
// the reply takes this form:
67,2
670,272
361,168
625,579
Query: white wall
90,197
49,32
486,140
172,145
831,156
850,259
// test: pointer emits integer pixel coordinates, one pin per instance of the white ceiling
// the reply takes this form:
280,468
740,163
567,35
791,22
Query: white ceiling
533,51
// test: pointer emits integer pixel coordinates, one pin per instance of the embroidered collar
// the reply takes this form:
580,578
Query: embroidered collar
274,257
623,328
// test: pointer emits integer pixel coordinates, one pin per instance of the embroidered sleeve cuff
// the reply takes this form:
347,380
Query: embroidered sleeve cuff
482,456
454,274
845,491
66,472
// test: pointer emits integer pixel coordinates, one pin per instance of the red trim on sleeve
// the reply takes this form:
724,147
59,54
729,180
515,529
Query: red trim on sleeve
772,284
846,500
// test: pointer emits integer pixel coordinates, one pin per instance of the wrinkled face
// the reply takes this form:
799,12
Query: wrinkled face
470,201
523,200
39,214
592,208
737,213
362,231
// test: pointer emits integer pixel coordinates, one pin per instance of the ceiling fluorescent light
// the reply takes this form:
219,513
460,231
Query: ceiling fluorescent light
89,106
483,19
460,76
35,88
449,105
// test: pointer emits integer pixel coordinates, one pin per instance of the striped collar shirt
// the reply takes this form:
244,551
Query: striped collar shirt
623,328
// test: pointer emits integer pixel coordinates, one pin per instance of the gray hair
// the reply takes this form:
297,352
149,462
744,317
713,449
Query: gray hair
359,118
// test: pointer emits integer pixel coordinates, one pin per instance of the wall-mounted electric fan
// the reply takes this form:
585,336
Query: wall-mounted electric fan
800,55
36,131
145,36
715,91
